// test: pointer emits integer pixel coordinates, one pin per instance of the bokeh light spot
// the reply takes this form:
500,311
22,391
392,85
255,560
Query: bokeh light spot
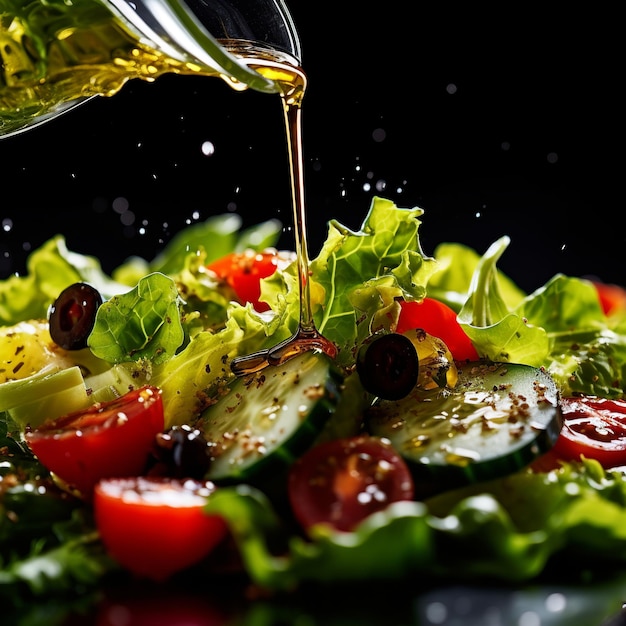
120,205
208,149
379,135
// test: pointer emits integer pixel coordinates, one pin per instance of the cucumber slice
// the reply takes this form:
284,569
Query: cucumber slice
496,420
269,418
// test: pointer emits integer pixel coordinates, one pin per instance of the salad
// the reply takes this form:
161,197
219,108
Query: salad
465,430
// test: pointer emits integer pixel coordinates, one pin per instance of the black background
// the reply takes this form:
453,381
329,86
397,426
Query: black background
496,123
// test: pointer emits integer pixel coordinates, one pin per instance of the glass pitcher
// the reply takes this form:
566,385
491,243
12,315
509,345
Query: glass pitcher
56,54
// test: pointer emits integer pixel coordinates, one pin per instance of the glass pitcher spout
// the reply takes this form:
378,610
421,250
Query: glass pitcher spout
266,22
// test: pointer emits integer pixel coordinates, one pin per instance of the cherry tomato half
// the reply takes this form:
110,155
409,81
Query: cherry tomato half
343,481
612,297
107,439
243,271
594,428
439,320
156,526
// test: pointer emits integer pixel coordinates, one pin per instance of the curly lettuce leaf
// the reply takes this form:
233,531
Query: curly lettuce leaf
366,554
204,298
80,560
564,305
580,507
358,275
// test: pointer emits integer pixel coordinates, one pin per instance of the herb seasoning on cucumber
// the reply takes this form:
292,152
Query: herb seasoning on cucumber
496,420
269,418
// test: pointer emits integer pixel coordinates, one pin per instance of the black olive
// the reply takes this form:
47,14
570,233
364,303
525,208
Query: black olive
182,452
73,314
388,366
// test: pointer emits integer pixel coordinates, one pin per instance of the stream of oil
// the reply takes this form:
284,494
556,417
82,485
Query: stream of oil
292,82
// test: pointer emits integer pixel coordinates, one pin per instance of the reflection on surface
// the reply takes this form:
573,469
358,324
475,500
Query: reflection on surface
557,606
209,602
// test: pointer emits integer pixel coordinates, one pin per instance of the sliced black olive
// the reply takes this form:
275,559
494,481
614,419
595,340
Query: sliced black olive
182,452
73,314
388,366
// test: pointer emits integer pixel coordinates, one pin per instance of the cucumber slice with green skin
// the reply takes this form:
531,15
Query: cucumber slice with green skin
269,418
496,420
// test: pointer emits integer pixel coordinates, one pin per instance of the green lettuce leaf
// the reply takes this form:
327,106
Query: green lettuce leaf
497,333
456,264
190,380
358,275
143,323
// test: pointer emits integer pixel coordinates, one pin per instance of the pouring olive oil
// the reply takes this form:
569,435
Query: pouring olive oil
56,54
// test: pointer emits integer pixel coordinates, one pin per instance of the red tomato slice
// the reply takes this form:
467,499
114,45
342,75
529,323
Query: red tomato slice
243,271
107,439
439,320
594,428
343,481
612,297
156,526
